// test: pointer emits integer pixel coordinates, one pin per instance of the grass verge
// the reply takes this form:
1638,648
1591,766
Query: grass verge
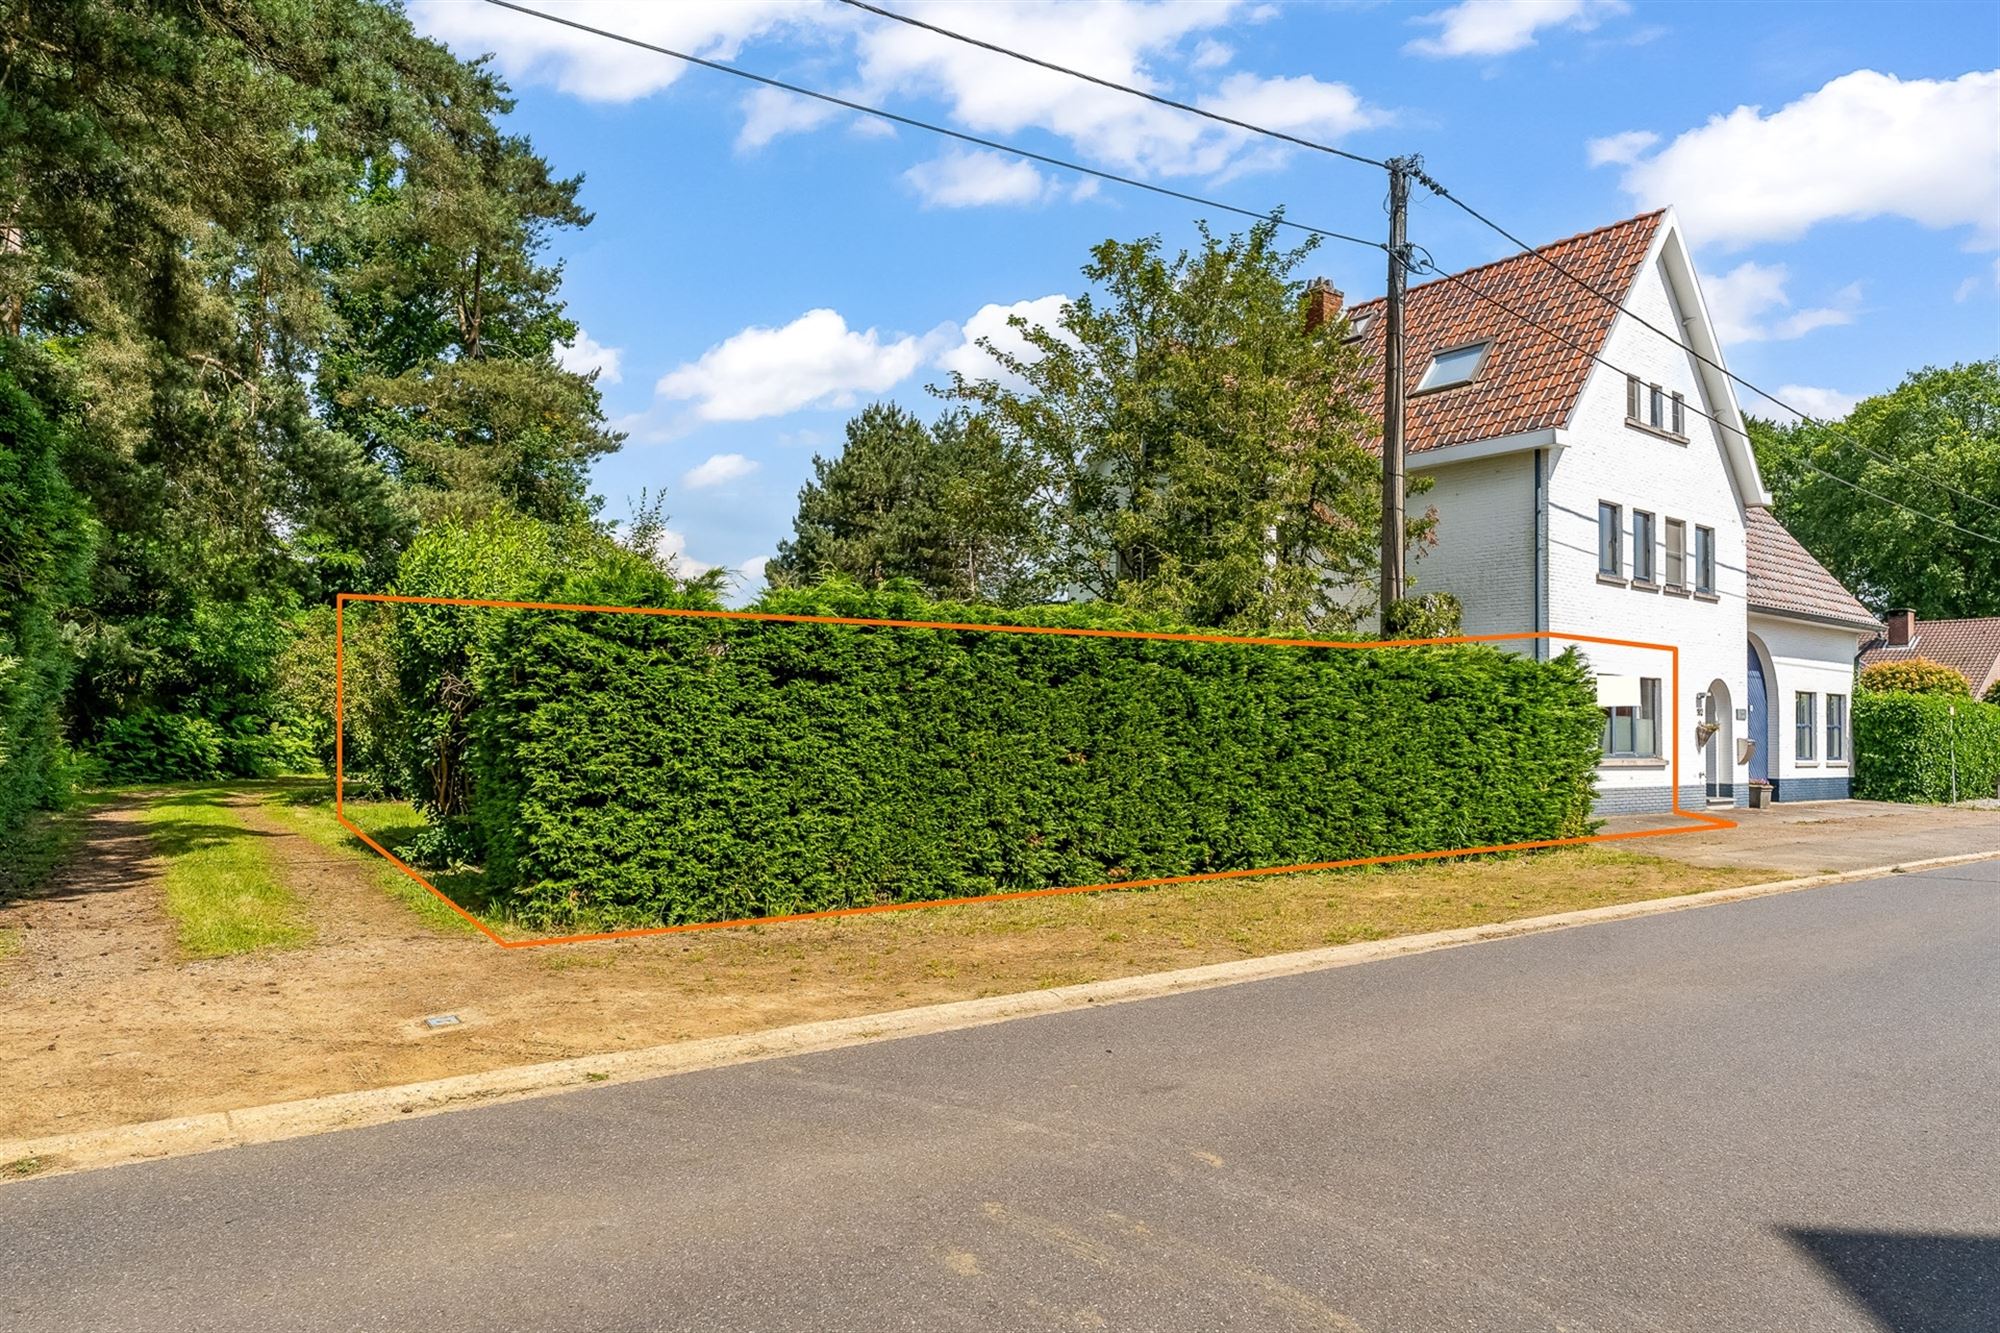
220,888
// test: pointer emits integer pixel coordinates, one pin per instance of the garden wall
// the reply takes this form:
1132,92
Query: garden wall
639,770
1905,744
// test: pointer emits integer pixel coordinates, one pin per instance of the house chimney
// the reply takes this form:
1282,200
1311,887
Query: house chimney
1323,302
1902,628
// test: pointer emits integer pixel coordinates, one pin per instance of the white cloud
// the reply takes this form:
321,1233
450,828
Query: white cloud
594,68
1866,145
587,354
1619,149
1496,27
752,570
814,360
1144,43
1749,304
671,547
1820,404
717,470
960,179
1211,54
1301,105
972,361
1122,40
770,112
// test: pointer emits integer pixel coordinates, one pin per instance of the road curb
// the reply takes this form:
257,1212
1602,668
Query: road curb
91,1149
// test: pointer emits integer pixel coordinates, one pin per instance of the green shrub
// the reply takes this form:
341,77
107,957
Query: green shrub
150,745
636,769
1993,691
47,539
1907,746
1428,615
1916,675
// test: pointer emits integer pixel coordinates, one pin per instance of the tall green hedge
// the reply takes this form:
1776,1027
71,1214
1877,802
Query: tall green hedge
1905,745
633,769
47,540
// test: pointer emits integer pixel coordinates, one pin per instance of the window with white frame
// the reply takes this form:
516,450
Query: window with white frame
1704,560
1457,366
1610,539
1805,710
1642,546
1677,540
1634,732
1836,728
1680,415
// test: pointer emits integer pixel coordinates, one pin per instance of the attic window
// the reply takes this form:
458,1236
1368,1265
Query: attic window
1359,327
1457,366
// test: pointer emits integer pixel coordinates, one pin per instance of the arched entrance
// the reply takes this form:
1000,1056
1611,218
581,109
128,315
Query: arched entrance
1719,752
1759,708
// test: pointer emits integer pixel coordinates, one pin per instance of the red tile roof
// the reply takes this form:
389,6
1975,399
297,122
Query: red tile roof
1786,580
1971,647
1530,379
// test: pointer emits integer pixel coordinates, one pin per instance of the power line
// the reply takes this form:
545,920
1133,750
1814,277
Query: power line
1429,182
1458,279
910,121
1114,85
1435,187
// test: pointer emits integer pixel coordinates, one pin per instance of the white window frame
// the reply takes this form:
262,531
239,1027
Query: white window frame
1805,726
1836,728
1680,415
1704,560
1642,720
1425,382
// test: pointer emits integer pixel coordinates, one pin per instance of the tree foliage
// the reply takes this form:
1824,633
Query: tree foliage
284,280
945,506
1195,446
1931,445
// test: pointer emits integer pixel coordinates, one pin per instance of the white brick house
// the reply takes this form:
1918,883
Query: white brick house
1593,497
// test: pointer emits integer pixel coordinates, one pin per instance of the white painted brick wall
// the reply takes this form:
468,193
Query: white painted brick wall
1807,658
1485,549
1605,459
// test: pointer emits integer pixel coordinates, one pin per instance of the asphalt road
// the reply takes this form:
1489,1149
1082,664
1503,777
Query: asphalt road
1778,1114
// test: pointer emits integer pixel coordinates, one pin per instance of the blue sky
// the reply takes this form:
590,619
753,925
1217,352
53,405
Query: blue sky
758,270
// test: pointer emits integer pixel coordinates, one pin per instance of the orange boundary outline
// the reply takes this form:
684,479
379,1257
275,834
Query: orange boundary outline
1701,820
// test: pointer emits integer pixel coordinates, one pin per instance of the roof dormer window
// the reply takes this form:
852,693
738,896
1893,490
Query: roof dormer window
1459,365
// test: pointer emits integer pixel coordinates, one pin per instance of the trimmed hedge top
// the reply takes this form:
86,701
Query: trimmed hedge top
640,770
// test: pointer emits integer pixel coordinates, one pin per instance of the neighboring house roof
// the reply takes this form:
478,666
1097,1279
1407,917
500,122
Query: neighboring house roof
1786,581
1530,379
1970,647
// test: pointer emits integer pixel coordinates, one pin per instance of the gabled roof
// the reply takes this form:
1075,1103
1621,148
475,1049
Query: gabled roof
1786,581
1970,647
1530,379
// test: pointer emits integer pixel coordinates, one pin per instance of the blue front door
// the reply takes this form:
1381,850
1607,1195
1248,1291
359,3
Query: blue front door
1760,721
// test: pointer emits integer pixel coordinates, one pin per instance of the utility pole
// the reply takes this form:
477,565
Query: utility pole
1392,386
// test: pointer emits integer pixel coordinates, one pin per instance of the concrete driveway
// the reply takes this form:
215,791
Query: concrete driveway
1813,837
